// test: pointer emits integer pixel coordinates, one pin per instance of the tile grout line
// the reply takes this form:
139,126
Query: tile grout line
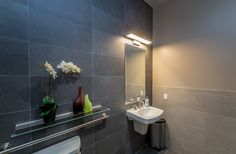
64,18
12,75
108,56
117,76
29,61
200,89
46,45
12,112
61,47
83,149
109,33
13,39
141,148
120,20
100,97
91,9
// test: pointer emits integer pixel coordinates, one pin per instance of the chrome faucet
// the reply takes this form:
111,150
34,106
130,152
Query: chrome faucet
140,104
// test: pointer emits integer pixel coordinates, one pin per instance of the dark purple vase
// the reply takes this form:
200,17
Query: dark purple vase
78,103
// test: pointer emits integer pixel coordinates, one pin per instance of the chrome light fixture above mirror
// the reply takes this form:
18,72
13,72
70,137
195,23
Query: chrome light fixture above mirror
139,39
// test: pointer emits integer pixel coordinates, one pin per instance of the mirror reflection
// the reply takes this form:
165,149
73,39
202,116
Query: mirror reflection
134,73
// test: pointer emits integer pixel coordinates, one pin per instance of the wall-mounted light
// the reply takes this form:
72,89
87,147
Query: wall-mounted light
137,43
137,38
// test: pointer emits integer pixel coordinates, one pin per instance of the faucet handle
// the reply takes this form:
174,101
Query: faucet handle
135,107
131,100
141,104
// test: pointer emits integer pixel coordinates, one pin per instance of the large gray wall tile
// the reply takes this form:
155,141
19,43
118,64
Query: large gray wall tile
116,103
104,65
113,124
13,19
108,86
221,137
108,44
112,7
14,57
14,93
184,98
138,18
112,143
106,23
77,11
88,150
222,105
49,29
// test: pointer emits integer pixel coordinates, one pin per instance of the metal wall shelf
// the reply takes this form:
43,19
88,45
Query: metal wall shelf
37,125
34,142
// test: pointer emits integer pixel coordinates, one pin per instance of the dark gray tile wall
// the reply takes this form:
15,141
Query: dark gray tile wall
14,19
89,33
138,17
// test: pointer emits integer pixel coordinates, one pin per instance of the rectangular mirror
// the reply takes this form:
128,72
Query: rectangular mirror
134,73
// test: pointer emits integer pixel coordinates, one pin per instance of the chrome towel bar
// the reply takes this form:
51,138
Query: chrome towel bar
25,145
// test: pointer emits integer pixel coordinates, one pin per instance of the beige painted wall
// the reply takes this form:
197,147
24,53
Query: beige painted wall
194,62
194,44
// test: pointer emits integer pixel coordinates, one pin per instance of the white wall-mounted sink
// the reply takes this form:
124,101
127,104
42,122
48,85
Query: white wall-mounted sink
143,117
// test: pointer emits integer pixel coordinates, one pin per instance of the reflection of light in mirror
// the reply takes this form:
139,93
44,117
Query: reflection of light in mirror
134,72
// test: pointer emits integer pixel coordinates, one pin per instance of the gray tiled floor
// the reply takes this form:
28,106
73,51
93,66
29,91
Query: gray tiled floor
148,150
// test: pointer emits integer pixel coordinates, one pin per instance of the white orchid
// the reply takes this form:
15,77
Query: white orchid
48,67
68,67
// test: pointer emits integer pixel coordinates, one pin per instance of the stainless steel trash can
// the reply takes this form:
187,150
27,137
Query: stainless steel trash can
158,134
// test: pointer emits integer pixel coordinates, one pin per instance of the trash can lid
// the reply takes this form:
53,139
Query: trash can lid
162,120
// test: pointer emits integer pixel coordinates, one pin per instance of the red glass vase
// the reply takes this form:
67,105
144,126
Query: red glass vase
78,103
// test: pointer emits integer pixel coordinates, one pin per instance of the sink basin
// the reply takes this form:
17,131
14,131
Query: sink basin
146,115
143,117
